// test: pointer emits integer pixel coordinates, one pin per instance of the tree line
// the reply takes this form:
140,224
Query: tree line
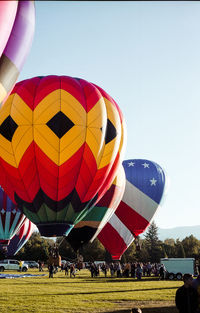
149,249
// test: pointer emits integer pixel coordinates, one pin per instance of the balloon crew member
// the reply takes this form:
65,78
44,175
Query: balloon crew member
51,268
186,296
104,269
40,266
119,270
66,268
162,271
20,265
72,270
133,270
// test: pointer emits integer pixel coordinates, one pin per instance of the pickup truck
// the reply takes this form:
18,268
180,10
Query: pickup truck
12,265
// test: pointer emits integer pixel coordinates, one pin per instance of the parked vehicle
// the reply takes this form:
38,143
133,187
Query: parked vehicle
177,267
32,264
12,265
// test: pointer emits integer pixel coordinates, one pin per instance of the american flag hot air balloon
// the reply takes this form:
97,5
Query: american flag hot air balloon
144,189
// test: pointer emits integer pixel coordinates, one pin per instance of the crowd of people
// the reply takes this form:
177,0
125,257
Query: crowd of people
134,270
114,269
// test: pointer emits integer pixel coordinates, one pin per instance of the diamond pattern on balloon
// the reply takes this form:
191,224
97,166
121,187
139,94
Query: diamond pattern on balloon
8,128
111,132
60,124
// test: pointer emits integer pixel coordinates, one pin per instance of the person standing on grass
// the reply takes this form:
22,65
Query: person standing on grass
104,269
162,271
149,269
112,269
139,271
72,270
119,270
133,269
186,296
20,265
66,268
51,268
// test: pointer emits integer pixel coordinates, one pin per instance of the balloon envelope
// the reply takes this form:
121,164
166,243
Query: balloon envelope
20,239
11,218
94,221
60,143
145,182
17,25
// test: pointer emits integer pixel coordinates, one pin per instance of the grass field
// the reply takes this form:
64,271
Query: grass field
85,294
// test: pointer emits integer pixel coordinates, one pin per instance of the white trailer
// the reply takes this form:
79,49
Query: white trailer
177,267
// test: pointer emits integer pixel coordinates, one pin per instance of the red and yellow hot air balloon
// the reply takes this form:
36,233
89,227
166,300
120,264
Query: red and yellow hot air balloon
60,144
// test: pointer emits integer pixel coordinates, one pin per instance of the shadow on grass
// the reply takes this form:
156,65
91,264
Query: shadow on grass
99,280
151,310
99,292
113,279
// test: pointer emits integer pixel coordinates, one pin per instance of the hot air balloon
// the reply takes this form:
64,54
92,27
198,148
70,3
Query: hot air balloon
95,220
60,143
17,25
11,218
145,182
22,236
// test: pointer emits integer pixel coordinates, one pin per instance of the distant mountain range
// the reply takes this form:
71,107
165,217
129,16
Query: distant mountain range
178,232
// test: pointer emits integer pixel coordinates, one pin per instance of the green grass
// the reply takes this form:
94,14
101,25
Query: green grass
85,294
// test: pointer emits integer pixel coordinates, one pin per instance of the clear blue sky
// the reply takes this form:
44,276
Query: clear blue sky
146,55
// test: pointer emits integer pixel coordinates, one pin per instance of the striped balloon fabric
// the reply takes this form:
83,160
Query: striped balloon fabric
145,182
11,218
95,220
21,238
17,25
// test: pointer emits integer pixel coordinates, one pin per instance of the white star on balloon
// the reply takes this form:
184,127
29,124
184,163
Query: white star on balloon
131,164
153,181
146,165
3,211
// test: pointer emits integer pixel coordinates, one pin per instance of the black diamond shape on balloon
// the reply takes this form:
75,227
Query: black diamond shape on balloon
8,128
111,132
60,124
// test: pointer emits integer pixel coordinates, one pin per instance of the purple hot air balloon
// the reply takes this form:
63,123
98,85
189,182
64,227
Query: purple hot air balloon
17,25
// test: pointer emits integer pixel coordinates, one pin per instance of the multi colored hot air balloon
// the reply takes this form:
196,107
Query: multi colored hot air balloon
145,182
21,238
60,143
11,218
17,25
94,221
